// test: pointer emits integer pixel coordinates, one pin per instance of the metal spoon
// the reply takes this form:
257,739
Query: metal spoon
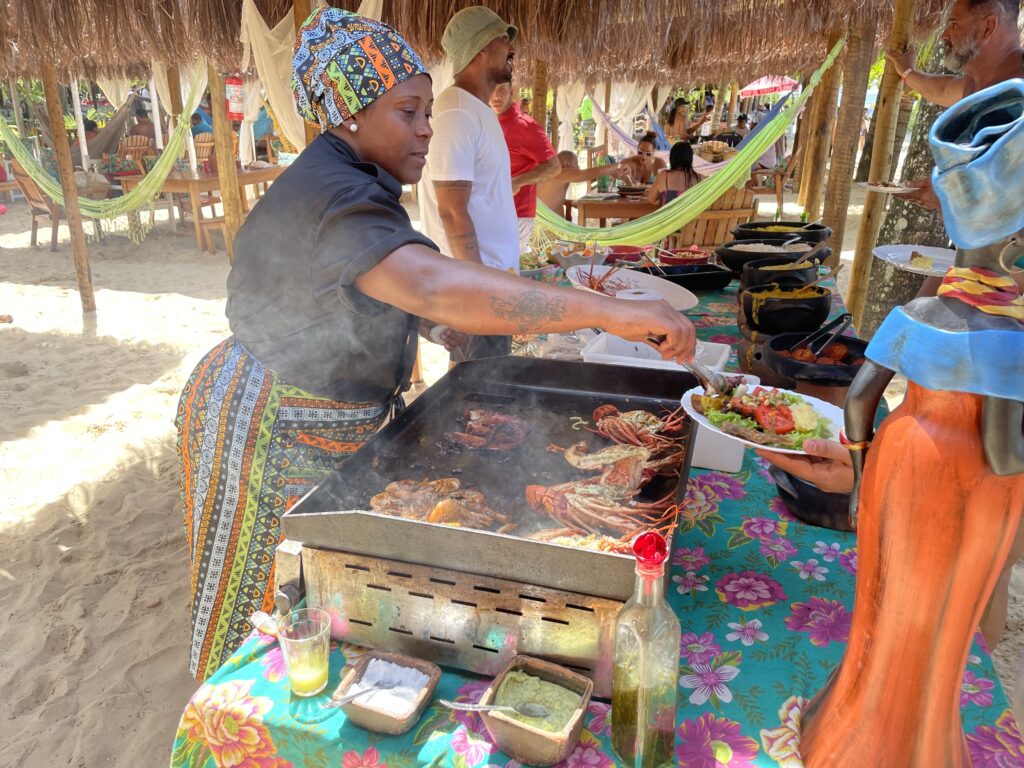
526,708
353,696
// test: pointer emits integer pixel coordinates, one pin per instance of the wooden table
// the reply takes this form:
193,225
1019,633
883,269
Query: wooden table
194,184
617,208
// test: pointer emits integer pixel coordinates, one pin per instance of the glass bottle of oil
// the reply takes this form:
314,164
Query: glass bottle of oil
646,667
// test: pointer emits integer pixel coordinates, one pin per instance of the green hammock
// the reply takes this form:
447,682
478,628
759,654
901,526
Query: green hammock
139,197
694,201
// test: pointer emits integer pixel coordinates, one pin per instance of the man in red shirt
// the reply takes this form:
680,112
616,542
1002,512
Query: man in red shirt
530,154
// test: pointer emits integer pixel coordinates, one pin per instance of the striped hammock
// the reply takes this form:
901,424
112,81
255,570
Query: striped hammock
688,206
139,197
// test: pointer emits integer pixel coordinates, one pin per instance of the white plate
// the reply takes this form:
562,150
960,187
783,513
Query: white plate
680,298
899,255
833,413
886,190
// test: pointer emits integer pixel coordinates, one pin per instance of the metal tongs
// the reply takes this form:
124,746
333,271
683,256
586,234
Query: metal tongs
837,327
710,380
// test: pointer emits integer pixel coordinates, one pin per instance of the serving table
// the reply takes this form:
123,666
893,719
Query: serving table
764,602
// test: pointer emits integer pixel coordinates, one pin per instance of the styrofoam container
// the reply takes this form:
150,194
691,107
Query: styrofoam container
714,451
614,350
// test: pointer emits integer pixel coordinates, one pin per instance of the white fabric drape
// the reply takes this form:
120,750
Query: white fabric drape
371,9
116,91
567,105
185,75
271,50
627,100
252,89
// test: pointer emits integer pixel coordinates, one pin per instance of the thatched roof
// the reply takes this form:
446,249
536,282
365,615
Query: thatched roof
668,41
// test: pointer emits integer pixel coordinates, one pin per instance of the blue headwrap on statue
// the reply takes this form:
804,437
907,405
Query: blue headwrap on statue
978,146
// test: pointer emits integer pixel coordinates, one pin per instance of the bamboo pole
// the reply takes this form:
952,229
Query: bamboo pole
158,123
227,171
810,143
857,67
13,83
734,92
881,160
300,12
829,89
76,103
55,113
554,119
540,92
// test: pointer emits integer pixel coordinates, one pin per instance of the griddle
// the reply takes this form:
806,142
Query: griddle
545,393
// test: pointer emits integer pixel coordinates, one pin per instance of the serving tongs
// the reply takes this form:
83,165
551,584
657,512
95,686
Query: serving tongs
837,327
710,380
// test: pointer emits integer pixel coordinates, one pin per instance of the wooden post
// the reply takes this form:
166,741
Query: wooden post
174,86
158,122
810,142
540,93
818,161
76,102
734,92
554,119
227,171
881,160
856,68
300,12
13,83
55,113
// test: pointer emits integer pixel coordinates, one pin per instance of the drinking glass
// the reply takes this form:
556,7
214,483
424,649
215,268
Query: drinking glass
305,638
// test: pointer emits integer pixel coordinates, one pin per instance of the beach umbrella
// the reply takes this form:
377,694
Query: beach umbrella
767,85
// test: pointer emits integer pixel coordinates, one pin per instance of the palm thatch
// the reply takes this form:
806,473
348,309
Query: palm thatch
667,41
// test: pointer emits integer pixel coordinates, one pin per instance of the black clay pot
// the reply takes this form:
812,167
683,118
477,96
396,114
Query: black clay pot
813,373
815,233
786,313
810,504
695,277
755,272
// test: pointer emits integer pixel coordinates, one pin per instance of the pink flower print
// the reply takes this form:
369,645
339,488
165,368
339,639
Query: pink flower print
975,690
587,756
690,559
714,742
369,759
473,749
707,682
747,632
763,527
723,485
274,669
691,583
723,338
998,746
698,650
762,470
470,692
778,506
828,552
973,659
810,569
600,724
708,321
721,308
782,744
749,590
777,548
848,561
824,620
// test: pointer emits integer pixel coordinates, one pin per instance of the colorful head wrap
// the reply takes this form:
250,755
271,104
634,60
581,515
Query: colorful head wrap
344,62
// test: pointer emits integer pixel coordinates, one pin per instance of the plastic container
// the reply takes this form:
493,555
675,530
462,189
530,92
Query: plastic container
614,350
523,742
379,721
719,452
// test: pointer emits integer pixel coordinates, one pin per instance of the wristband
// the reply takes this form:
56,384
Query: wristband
906,74
860,445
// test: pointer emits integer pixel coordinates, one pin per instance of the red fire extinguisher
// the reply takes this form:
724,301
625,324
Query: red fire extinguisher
234,94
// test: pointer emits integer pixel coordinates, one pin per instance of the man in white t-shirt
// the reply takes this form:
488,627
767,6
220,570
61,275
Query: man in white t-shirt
468,208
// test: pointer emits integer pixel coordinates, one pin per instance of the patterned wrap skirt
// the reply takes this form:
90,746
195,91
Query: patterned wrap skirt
249,447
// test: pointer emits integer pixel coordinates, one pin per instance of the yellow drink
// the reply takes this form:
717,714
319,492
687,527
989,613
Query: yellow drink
308,675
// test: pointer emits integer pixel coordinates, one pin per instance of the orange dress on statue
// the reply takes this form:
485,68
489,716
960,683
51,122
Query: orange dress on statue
935,526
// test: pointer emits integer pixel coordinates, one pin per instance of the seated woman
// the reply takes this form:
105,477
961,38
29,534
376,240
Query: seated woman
325,299
678,178
642,167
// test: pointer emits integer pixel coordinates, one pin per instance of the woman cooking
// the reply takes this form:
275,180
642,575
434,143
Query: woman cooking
325,298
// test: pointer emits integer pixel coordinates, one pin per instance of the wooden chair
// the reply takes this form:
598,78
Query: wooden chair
204,146
780,178
39,204
714,226
593,153
208,227
136,146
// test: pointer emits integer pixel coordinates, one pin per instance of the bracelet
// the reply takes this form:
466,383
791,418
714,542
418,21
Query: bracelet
906,74
860,445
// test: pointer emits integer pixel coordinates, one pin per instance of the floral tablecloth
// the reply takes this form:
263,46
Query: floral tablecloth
764,602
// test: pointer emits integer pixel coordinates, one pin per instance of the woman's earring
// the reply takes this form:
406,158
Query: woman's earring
352,126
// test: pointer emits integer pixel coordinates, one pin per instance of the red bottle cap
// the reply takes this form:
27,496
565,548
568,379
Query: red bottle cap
651,550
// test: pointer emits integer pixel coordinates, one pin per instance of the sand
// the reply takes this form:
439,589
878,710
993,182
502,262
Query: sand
93,661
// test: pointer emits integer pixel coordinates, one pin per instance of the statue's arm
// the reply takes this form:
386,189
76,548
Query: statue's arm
862,401
1002,434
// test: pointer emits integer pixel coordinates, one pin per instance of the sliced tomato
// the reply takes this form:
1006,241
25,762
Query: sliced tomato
737,405
778,419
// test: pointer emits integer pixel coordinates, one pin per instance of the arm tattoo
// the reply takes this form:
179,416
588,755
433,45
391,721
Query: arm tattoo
529,310
454,184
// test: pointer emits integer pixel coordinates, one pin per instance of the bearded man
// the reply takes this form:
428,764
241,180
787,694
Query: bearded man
982,42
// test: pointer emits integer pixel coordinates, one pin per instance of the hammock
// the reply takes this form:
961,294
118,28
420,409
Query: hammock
139,197
698,198
106,140
776,108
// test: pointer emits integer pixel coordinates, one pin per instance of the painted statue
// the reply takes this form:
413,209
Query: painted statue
940,488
